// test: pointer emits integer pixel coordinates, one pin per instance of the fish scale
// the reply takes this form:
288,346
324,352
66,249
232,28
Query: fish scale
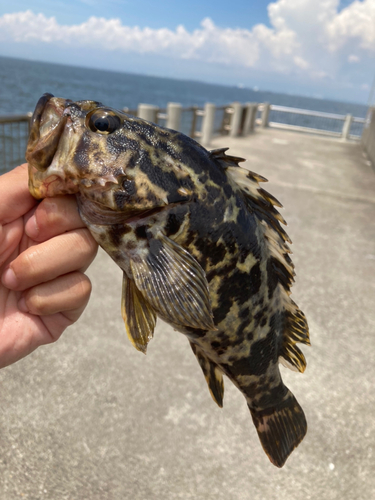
199,242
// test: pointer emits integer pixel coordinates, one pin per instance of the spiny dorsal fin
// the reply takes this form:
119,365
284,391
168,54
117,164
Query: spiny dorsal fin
224,160
258,200
279,263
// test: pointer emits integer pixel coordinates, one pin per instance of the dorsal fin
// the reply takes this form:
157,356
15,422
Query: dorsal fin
296,330
224,160
262,204
259,200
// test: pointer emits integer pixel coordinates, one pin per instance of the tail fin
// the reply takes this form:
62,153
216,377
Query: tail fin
280,429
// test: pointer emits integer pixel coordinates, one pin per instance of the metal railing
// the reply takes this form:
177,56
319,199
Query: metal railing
14,133
242,119
305,120
191,118
203,124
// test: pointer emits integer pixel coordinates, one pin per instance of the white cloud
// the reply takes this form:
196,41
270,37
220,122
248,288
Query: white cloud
206,43
300,62
355,24
308,37
352,58
325,39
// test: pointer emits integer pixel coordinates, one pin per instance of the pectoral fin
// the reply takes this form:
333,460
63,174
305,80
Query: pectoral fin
174,284
138,315
212,373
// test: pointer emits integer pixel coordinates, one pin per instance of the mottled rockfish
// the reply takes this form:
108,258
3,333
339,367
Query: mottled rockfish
199,242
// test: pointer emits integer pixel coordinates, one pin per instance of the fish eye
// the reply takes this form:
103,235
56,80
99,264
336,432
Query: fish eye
103,121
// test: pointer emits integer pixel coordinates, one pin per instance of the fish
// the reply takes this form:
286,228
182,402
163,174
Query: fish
201,245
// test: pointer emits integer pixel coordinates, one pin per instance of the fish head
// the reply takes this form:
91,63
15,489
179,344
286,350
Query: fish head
108,158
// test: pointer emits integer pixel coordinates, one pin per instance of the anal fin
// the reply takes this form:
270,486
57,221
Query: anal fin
280,429
138,315
212,373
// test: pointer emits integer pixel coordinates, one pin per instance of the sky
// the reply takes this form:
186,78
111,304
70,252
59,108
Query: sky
318,48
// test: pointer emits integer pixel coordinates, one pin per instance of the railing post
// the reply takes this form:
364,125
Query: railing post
346,127
265,115
174,111
193,122
235,121
208,123
367,125
368,135
251,113
147,112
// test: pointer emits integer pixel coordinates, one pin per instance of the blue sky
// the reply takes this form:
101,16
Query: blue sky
152,13
321,48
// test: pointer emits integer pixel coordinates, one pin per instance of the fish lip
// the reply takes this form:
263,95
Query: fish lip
47,126
36,118
40,190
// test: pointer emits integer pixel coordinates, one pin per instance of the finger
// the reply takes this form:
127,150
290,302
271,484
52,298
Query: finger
55,324
31,330
15,197
53,216
46,261
69,293
10,236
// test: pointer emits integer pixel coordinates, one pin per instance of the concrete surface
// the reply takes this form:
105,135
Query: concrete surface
91,418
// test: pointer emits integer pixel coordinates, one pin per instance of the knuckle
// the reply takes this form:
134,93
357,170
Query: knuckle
83,287
35,303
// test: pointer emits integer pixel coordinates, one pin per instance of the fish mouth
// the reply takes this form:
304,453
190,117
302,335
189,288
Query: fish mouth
56,127
47,125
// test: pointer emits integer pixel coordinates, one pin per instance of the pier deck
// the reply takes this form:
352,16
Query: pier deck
91,418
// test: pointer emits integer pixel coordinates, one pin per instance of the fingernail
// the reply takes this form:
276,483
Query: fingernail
22,305
32,228
9,278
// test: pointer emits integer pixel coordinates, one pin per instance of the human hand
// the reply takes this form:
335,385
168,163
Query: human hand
44,250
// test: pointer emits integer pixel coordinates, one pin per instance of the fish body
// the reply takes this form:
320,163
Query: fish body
200,244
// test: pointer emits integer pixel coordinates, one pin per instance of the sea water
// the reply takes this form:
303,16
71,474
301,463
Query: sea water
23,82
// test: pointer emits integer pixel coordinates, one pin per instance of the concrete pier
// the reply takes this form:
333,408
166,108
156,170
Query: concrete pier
90,418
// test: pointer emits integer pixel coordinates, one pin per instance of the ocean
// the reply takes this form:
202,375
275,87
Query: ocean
23,82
